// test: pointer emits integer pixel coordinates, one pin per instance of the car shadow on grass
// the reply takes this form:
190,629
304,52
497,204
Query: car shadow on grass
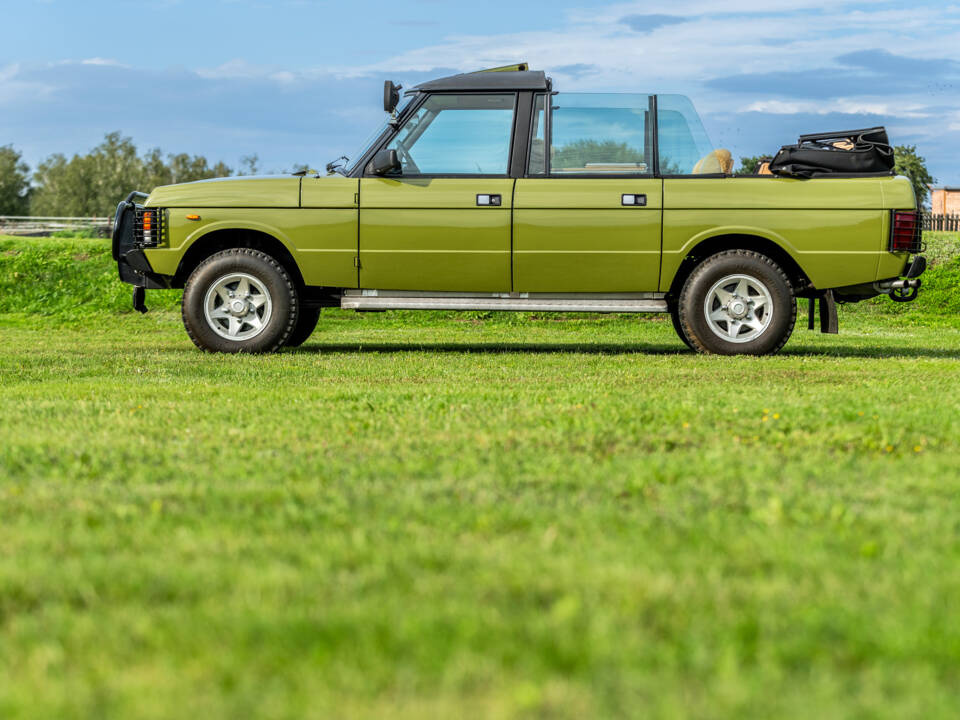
873,352
495,348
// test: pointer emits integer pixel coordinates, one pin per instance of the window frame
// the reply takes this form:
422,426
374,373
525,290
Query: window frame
413,108
651,139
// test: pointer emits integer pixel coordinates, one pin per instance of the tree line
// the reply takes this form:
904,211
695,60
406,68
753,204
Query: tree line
92,184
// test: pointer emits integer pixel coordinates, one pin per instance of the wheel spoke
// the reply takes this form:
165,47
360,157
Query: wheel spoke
758,302
719,314
733,328
753,322
230,294
723,296
743,288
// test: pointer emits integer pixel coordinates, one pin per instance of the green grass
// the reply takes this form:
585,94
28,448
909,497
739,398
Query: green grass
471,515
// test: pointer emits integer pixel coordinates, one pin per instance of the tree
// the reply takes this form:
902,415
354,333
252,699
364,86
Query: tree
749,165
250,164
908,163
93,184
14,183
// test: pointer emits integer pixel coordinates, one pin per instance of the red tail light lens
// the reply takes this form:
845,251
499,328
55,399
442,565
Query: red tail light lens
905,231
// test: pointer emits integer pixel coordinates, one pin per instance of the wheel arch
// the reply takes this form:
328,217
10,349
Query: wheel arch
702,247
215,239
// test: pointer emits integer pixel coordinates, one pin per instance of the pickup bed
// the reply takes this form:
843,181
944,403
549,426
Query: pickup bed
489,191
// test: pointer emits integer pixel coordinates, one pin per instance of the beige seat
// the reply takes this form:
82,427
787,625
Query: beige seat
715,163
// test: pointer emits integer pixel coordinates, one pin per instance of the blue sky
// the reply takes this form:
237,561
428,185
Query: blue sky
298,81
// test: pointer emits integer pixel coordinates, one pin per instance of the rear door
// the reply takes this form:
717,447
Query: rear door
443,223
587,218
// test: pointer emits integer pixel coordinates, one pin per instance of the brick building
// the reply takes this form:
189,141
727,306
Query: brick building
945,200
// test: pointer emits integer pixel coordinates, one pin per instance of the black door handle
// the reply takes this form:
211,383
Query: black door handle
489,200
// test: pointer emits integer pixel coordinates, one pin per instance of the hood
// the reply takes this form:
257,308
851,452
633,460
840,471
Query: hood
246,191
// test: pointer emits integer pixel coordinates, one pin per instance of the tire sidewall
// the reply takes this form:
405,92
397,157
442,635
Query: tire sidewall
282,291
693,318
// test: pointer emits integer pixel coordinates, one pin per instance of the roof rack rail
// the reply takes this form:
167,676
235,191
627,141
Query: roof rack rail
518,67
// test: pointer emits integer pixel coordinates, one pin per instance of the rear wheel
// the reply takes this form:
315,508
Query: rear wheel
240,300
737,302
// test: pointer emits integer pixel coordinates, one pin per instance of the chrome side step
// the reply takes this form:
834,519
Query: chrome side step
518,302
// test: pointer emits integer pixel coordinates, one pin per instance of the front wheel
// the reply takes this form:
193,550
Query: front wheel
306,324
737,302
240,300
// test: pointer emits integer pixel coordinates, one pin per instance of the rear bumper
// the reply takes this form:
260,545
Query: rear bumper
903,288
132,263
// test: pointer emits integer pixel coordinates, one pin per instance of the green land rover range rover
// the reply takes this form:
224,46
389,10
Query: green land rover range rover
491,191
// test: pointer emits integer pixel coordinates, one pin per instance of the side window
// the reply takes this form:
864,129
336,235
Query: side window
457,135
592,134
685,148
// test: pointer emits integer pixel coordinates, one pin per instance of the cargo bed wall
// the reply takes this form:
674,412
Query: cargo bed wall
836,229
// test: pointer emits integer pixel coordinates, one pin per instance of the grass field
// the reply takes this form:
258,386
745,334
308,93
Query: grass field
472,515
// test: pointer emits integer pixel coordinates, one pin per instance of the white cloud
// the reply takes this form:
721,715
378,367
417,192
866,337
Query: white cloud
102,61
841,105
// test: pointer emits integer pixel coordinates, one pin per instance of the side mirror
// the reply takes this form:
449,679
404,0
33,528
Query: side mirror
385,162
391,96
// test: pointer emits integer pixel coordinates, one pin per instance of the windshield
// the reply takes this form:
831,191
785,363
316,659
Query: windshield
372,138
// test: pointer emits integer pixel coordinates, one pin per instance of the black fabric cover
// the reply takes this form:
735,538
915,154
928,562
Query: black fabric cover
852,152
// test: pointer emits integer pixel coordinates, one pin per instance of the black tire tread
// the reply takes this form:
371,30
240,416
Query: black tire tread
306,323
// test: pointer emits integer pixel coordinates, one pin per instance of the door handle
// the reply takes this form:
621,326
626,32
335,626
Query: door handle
489,200
633,200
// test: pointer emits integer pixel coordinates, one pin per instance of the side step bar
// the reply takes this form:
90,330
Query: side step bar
519,302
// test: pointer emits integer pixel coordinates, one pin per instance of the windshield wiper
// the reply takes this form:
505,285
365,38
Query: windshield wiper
337,166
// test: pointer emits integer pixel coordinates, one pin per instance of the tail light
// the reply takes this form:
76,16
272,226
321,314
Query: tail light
149,226
906,233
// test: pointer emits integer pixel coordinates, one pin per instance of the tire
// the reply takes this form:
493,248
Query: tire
737,302
240,301
306,324
678,328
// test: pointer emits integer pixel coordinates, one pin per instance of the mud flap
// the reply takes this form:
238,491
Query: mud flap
139,295
829,323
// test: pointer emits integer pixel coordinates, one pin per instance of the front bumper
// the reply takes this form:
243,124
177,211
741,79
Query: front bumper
132,263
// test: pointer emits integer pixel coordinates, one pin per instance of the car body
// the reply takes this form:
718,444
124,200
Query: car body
456,204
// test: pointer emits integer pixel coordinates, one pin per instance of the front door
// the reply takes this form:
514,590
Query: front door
587,217
444,222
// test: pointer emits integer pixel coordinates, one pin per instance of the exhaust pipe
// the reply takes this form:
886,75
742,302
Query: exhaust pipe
888,285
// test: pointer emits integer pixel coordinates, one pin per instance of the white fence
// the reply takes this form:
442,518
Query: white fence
41,226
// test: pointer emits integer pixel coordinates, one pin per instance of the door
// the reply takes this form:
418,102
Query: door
587,218
444,222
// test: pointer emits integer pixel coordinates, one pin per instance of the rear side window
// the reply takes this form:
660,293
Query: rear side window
591,134
683,140
457,135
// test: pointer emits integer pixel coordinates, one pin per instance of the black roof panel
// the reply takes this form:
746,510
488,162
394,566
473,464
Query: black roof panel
470,82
